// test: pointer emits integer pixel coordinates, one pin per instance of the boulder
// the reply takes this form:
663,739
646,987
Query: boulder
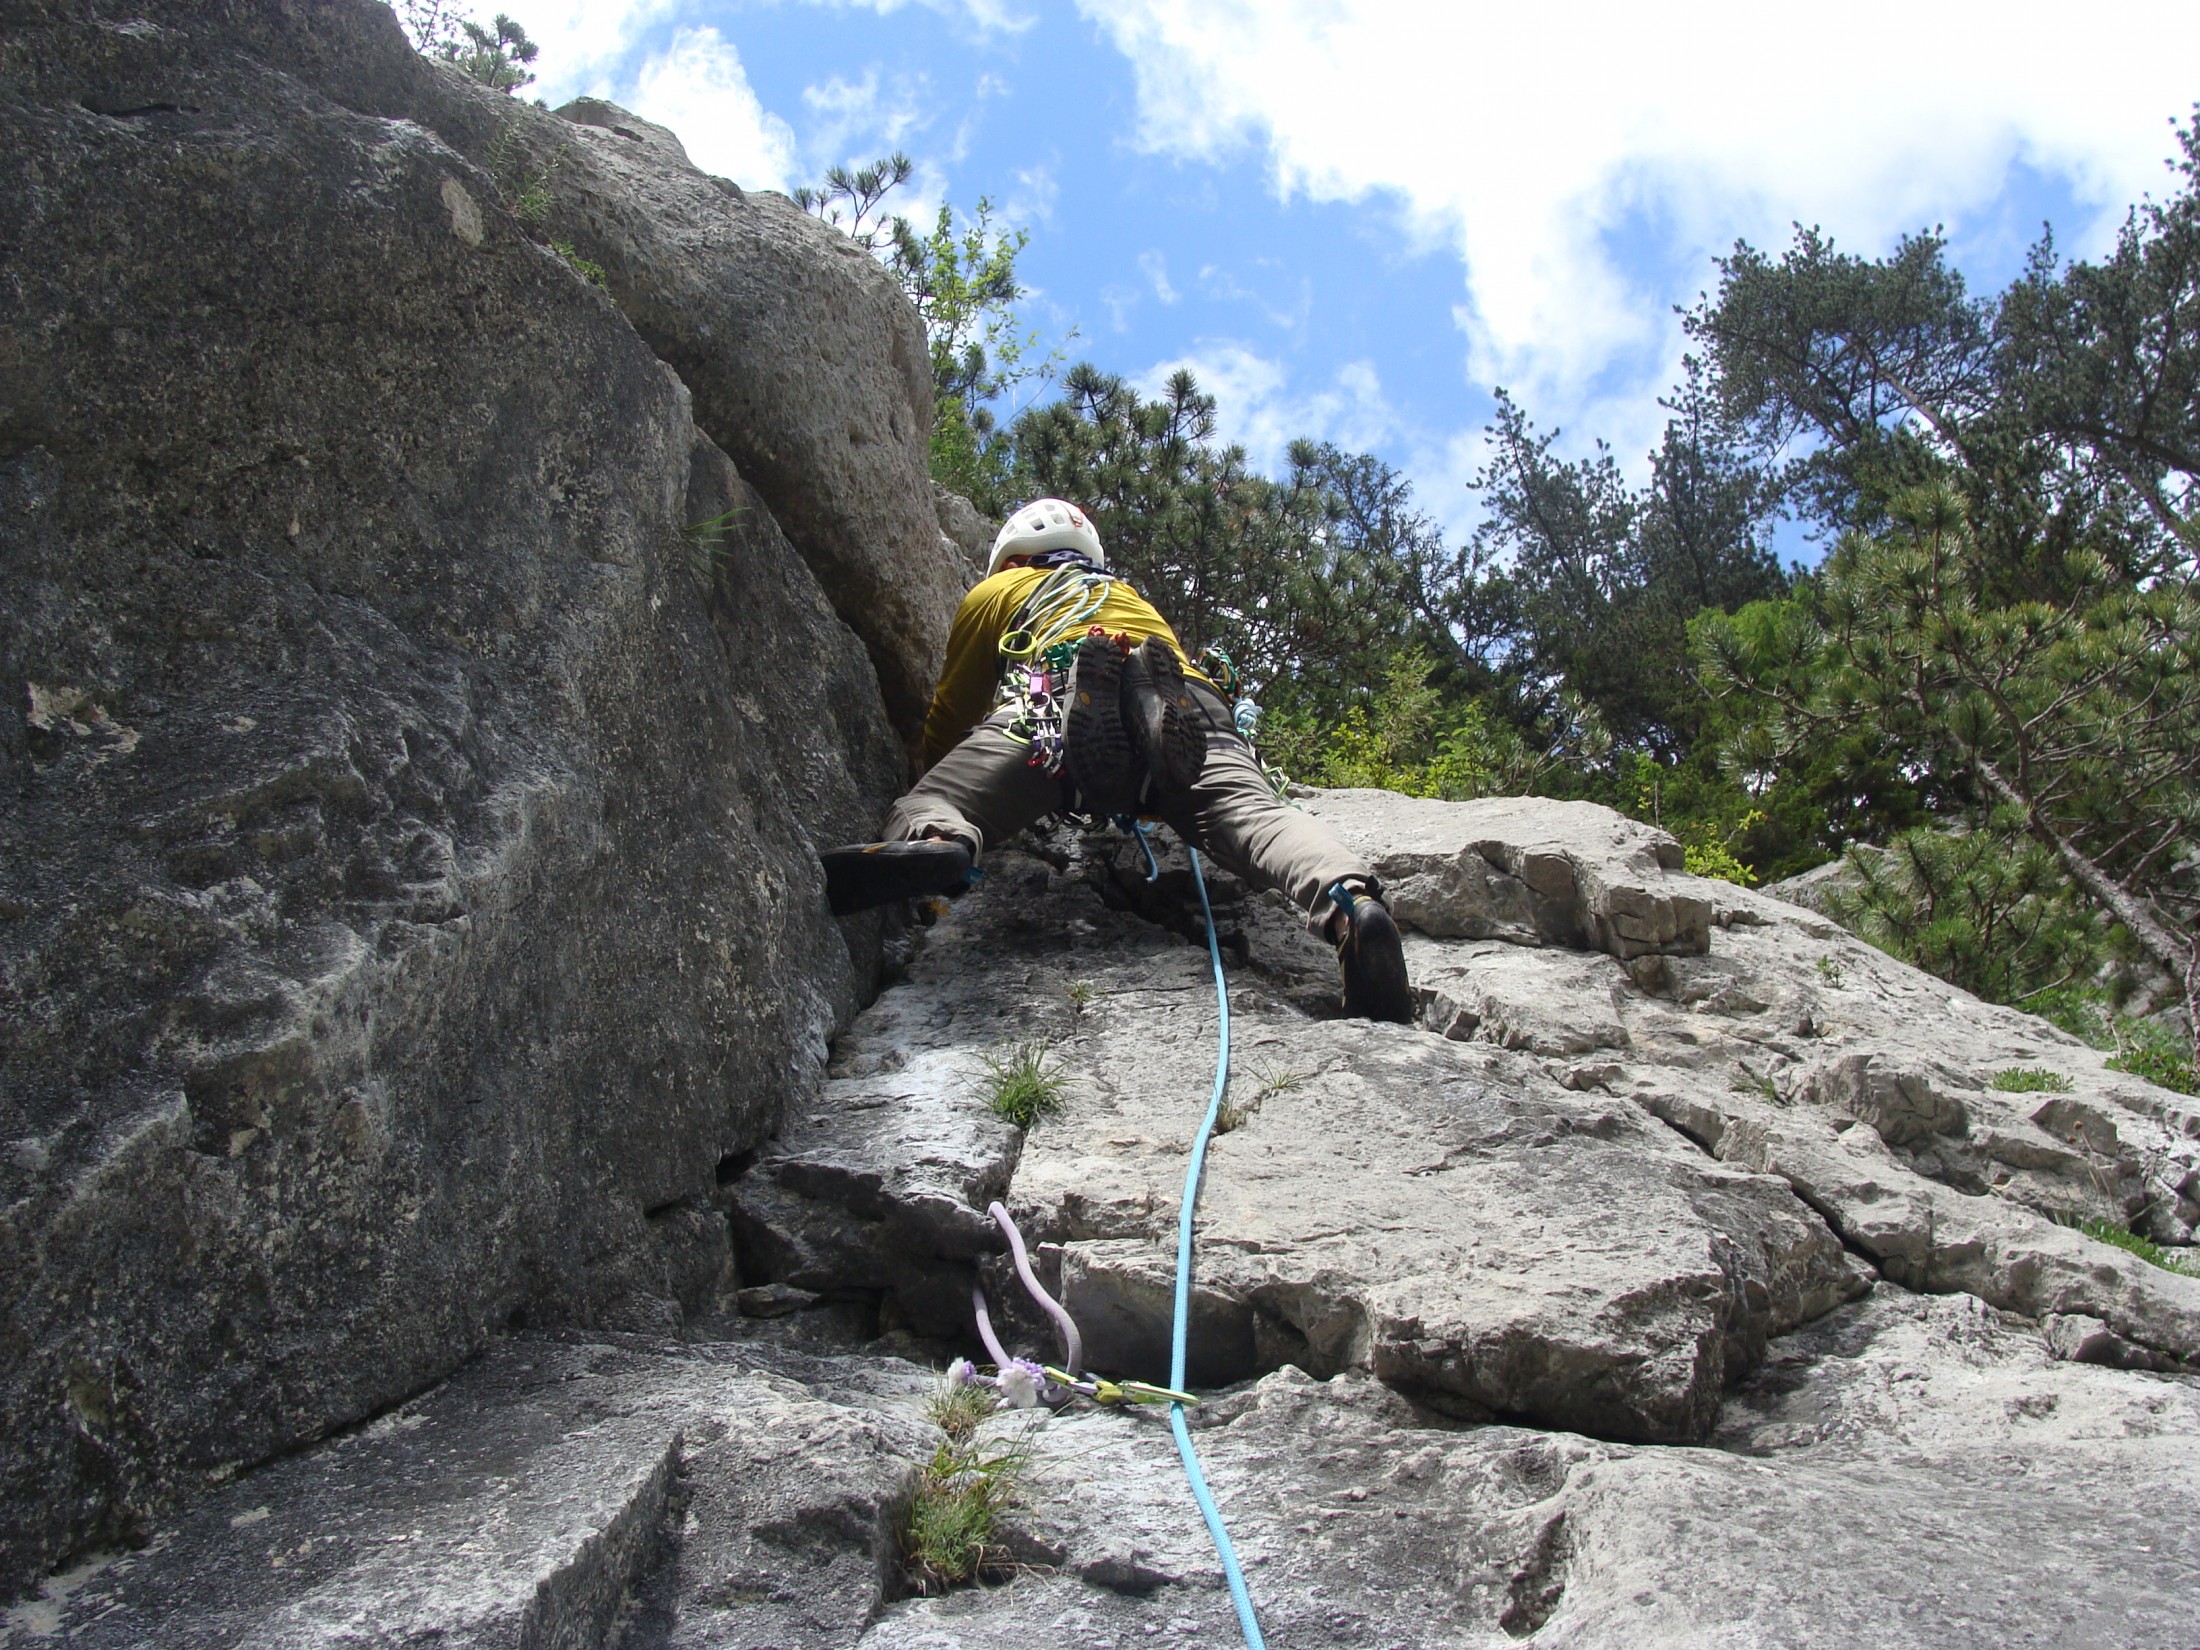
1495,1244
1523,869
970,533
805,362
408,899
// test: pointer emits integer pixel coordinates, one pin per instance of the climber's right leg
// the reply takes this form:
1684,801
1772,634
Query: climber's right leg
982,791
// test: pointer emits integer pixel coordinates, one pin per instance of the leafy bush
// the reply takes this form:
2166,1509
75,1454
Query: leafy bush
2031,1080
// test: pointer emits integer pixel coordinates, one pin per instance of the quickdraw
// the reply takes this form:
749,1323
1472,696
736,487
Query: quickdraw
1024,1383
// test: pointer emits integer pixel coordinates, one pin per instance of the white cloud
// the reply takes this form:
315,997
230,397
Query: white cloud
1156,270
852,119
582,41
1257,407
985,15
1529,139
697,86
1033,198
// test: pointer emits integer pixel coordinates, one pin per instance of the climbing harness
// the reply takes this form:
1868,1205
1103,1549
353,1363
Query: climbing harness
1036,652
1023,1382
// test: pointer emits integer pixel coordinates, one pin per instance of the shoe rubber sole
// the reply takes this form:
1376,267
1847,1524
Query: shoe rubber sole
1164,722
865,874
1096,744
1372,959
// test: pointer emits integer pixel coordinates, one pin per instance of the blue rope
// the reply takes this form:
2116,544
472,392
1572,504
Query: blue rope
1153,866
1247,1620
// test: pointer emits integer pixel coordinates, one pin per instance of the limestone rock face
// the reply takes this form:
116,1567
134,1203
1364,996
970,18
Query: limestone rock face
1524,869
970,533
1526,1207
805,361
648,1495
407,886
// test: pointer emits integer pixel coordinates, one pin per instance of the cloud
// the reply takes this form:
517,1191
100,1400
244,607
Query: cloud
985,15
697,86
583,41
1156,270
1257,407
1032,200
1584,161
855,120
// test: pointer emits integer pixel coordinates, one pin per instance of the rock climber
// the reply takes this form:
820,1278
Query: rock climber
1066,692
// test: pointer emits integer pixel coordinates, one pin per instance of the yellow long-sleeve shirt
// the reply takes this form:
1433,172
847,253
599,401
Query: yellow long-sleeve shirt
972,675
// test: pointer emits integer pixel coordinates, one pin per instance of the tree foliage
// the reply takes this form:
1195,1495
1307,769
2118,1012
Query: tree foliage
2073,724
960,275
497,56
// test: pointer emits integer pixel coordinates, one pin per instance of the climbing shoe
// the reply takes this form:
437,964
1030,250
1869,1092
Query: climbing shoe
1371,958
1096,744
865,874
1164,724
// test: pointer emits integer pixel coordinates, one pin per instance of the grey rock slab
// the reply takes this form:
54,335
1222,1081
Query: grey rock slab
1881,1085
806,362
2026,1498
2029,1502
1592,878
408,891
1545,1001
556,1493
970,533
1441,1212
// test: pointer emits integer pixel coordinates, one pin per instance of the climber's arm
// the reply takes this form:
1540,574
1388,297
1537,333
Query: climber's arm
972,671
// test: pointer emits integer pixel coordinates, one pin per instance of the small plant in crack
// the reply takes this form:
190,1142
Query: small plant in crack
2122,1237
959,1407
1750,1082
1021,1084
706,541
1236,1114
950,1530
2031,1080
1082,994
1829,970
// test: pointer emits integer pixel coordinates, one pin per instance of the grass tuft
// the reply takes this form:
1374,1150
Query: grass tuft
2031,1080
706,544
958,1407
2145,1248
950,1533
1020,1084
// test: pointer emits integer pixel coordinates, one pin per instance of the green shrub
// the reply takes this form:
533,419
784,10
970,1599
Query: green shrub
1020,1085
2145,1248
2031,1080
2150,1051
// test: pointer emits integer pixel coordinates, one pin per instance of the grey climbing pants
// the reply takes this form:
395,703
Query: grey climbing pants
985,790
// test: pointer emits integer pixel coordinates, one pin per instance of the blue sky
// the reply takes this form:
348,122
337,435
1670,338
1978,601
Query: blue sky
1353,218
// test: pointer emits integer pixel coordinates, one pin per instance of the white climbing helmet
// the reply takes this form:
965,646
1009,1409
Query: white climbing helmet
1046,524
